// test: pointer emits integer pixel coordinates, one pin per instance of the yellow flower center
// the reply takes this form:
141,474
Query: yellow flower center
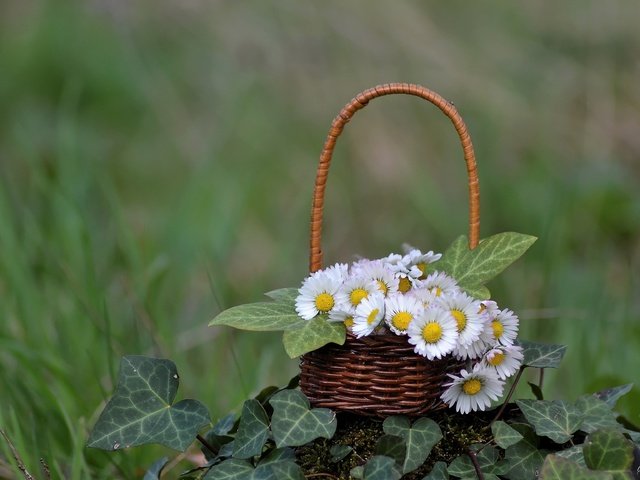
383,287
405,285
437,291
324,302
432,332
348,322
496,359
461,319
401,320
372,316
472,386
357,295
498,329
423,268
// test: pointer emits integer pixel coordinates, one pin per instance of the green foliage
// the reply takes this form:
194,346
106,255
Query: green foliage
261,317
488,460
596,414
419,438
473,268
155,471
253,430
609,451
142,411
556,419
294,423
504,435
542,355
558,468
438,472
313,335
525,457
612,395
380,467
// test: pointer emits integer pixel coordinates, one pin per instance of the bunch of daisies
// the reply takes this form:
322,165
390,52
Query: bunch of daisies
397,294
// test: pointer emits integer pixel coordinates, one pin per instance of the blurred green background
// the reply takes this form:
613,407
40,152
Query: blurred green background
157,161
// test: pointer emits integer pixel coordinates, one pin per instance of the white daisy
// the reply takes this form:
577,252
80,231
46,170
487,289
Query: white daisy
345,316
369,314
385,279
489,308
394,262
415,257
339,271
354,290
464,310
473,390
503,329
440,283
317,295
427,297
471,352
434,333
401,310
504,360
408,280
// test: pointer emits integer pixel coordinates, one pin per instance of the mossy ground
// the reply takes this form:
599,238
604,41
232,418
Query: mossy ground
362,433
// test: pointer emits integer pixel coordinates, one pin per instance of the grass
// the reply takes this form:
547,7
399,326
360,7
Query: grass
156,165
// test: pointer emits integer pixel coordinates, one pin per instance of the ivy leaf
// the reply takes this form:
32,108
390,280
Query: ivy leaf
293,422
252,431
155,470
525,458
504,435
380,467
339,452
260,317
574,454
284,295
217,445
478,292
224,425
419,438
492,255
542,355
611,395
391,446
536,390
279,454
609,450
313,335
231,469
438,472
142,411
555,419
487,459
283,470
596,414
558,468
357,472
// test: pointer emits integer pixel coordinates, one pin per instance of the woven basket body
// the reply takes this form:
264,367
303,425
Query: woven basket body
379,375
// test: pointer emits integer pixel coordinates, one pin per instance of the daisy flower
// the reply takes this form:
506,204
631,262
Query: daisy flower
317,295
489,308
427,297
440,283
339,271
504,360
473,390
369,314
415,257
503,329
354,290
471,352
400,312
464,310
385,279
434,333
408,279
341,315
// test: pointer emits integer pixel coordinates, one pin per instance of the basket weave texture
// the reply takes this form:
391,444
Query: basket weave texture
380,375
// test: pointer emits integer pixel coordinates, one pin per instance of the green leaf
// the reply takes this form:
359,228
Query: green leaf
357,472
261,317
284,295
380,467
419,438
504,435
492,255
339,452
279,454
219,445
283,470
313,335
574,454
232,469
438,472
610,451
525,458
555,419
252,432
558,468
293,422
391,446
596,414
478,292
536,390
542,355
155,470
487,458
142,411
612,395
225,424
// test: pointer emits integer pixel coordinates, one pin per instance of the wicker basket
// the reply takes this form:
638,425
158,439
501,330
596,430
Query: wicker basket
379,375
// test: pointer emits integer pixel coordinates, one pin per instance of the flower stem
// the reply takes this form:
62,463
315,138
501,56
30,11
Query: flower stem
206,444
476,465
509,395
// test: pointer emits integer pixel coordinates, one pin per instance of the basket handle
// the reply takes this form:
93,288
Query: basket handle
338,124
